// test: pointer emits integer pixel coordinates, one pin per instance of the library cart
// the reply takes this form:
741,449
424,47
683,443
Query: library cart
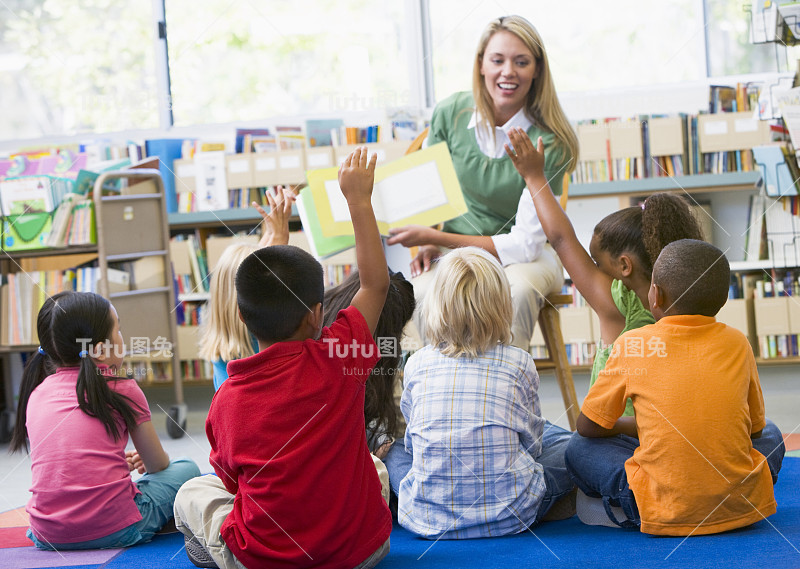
132,232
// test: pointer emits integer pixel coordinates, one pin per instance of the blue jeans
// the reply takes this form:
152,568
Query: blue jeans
155,503
597,465
556,477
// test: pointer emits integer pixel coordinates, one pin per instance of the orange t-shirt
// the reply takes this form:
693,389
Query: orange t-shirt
697,398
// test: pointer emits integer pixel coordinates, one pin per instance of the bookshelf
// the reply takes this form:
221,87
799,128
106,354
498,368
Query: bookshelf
758,318
694,183
131,229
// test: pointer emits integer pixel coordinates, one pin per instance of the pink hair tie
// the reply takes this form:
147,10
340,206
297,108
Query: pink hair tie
644,202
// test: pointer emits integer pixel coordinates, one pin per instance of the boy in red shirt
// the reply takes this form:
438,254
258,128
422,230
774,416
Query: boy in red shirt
296,484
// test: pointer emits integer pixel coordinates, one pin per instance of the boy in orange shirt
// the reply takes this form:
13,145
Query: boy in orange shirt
705,459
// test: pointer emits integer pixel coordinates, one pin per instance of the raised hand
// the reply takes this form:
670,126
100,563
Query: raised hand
527,159
276,221
357,176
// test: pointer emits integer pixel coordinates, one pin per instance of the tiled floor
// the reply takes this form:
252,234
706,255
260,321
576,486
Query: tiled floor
781,386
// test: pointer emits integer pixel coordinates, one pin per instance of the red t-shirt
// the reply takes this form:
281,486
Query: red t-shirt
287,438
82,487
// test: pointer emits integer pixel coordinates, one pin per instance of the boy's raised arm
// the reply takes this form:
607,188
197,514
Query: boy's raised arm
356,178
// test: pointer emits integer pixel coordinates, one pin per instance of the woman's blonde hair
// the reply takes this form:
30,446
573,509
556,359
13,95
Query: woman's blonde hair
468,307
542,105
223,335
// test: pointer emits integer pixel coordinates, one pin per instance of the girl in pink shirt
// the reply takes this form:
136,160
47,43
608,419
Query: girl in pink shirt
80,418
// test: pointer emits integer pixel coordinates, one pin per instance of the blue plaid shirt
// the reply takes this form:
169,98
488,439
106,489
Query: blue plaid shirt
474,428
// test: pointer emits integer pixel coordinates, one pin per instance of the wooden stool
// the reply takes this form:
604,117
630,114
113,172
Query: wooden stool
550,326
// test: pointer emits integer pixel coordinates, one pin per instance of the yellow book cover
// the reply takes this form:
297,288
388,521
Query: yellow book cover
419,188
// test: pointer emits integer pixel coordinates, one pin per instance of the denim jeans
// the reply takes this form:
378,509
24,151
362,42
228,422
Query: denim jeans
557,479
597,465
155,504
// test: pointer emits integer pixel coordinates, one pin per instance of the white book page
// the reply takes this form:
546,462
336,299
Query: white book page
339,208
410,192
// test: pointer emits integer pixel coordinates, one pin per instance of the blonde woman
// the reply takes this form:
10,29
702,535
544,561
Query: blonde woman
478,459
224,336
511,87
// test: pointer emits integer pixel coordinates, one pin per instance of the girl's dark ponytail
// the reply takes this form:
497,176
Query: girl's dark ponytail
69,324
84,323
97,399
39,366
666,218
645,230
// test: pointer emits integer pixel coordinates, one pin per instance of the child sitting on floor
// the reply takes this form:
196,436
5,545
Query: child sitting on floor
77,415
698,465
615,279
296,484
479,460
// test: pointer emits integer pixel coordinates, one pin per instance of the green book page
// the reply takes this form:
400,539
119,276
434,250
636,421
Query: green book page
321,246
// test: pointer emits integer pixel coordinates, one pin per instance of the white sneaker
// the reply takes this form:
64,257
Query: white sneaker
592,512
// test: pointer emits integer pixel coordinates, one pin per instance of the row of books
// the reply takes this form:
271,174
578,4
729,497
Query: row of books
782,345
216,180
189,265
651,146
196,370
732,99
23,293
73,223
241,198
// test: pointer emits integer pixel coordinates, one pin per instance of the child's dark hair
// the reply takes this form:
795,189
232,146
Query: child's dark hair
380,412
694,275
645,230
276,287
67,324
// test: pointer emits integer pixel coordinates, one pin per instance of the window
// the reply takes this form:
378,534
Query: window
590,45
68,68
730,51
255,60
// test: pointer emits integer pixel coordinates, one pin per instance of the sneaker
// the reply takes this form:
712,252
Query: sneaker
592,512
563,509
197,553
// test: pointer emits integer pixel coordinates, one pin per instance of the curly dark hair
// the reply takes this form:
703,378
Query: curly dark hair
645,230
380,411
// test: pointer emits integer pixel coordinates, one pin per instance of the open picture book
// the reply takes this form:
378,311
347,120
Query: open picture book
420,188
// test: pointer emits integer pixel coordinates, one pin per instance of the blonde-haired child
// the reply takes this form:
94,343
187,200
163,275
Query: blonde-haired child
224,337
479,460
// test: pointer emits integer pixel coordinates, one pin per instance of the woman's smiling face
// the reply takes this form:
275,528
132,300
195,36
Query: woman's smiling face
508,69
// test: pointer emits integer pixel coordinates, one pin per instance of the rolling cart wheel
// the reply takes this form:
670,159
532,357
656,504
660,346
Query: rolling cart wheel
176,421
6,426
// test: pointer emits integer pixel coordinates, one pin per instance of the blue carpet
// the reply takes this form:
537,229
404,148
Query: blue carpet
772,543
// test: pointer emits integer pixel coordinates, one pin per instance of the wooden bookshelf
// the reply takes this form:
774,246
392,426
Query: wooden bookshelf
74,250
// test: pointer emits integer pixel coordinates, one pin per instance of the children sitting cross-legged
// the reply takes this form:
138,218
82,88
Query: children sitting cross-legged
478,460
705,458
296,484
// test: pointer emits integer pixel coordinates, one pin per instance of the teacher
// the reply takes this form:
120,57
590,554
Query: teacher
511,87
